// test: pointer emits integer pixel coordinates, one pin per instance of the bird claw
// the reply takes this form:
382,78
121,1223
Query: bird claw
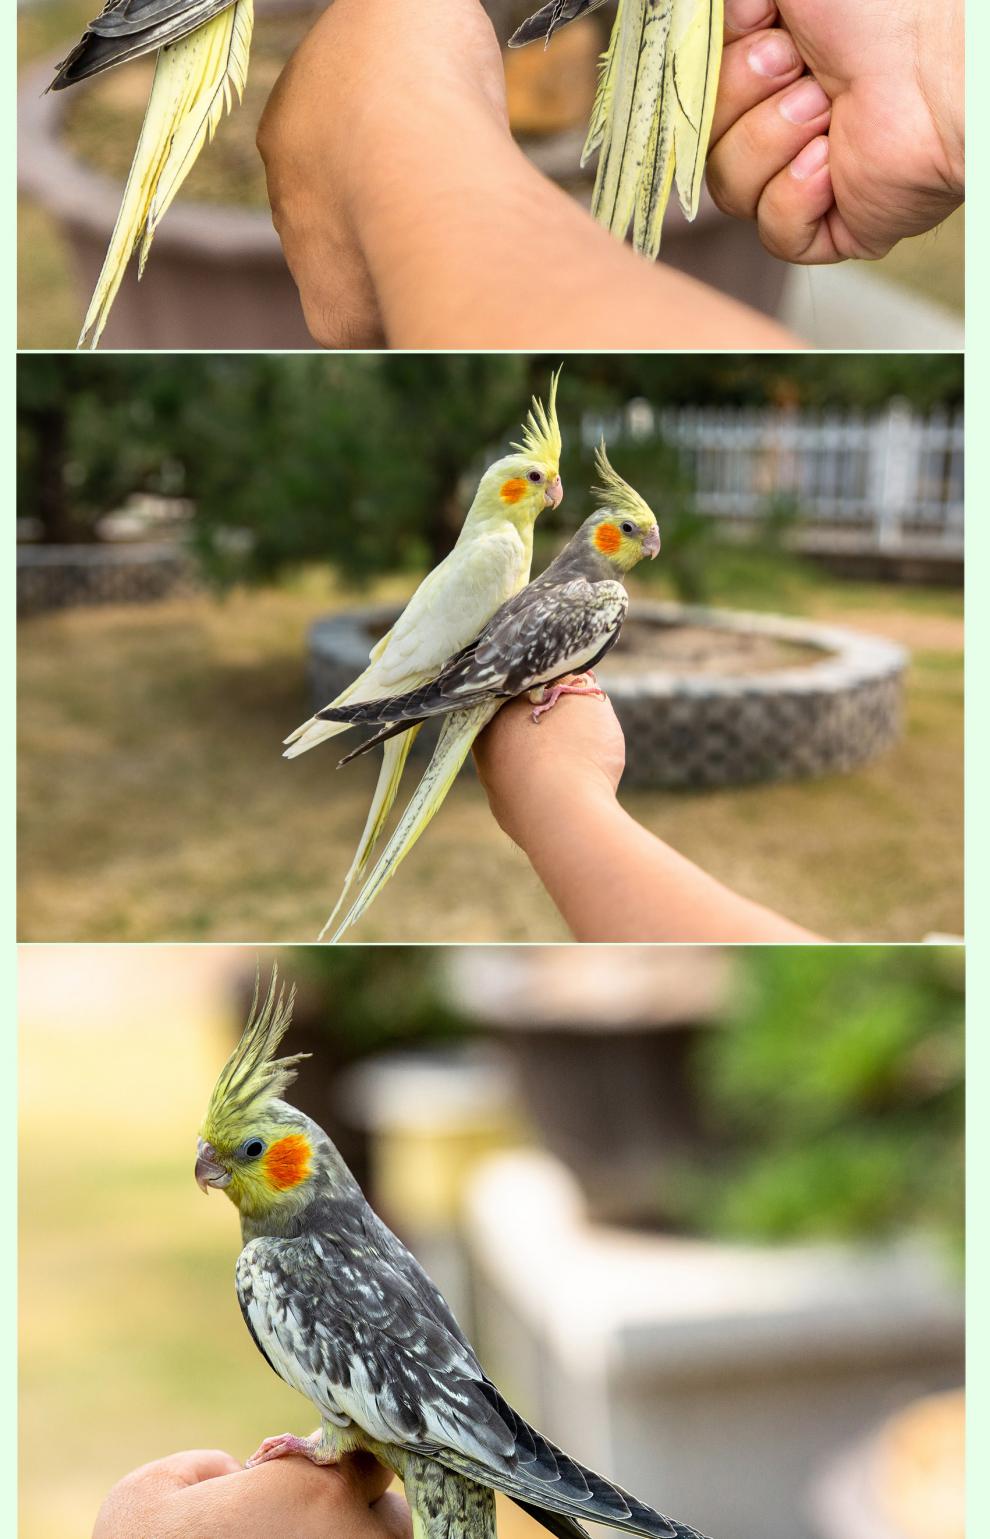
544,699
284,1443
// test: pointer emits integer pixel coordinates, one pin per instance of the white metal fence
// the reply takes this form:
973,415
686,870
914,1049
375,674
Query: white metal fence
890,482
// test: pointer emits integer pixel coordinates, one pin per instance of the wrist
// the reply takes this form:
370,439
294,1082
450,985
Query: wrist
576,800
941,74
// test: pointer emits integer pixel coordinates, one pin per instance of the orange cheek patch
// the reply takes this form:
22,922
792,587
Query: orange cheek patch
511,491
288,1162
608,539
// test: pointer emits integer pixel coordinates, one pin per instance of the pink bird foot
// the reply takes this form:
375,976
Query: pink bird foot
285,1443
545,699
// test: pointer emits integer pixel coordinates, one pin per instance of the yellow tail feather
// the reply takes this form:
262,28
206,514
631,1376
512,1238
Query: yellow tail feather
459,731
653,112
193,86
393,763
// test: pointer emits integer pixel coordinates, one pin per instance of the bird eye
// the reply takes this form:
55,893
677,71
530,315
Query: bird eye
627,527
252,1148
535,475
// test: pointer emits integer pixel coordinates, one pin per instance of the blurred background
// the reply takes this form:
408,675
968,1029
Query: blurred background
700,1212
216,278
208,547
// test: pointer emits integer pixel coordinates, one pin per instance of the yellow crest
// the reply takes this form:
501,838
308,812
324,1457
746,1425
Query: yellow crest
252,1073
615,493
541,431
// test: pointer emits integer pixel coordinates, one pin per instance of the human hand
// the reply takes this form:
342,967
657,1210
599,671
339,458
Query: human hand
206,1494
359,86
862,151
530,769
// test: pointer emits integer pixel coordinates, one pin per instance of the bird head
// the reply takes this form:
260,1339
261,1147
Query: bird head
622,528
521,484
255,1147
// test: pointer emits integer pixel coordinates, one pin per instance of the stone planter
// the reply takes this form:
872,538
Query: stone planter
217,279
713,1380
64,576
836,708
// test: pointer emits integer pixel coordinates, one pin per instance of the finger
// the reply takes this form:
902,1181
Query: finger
194,1465
793,212
392,1512
743,16
752,70
763,143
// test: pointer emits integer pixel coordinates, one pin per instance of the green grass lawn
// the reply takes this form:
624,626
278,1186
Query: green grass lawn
154,803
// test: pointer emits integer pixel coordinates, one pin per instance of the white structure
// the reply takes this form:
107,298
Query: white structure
712,1379
890,482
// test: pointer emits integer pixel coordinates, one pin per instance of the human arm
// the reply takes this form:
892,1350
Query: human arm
552,787
864,149
408,214
206,1494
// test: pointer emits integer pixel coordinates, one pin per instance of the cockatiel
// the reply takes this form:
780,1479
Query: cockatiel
203,48
560,625
343,1313
490,561
653,111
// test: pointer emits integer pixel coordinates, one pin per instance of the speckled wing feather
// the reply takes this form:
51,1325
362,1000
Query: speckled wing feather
538,636
126,29
346,1315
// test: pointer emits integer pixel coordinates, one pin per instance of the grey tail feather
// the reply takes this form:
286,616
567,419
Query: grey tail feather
556,1522
393,730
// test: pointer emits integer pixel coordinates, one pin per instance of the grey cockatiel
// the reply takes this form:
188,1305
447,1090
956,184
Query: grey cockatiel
561,624
344,1313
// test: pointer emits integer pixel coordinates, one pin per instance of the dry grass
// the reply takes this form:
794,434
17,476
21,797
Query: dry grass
132,1344
154,804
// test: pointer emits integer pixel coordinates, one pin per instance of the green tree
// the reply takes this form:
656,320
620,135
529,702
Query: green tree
836,1098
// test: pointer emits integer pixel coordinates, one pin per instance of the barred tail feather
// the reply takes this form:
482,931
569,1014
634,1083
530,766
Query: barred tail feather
195,80
632,96
603,99
458,733
393,763
653,112
696,57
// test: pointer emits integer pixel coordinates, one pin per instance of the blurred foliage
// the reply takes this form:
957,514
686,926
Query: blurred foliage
367,999
837,1096
368,463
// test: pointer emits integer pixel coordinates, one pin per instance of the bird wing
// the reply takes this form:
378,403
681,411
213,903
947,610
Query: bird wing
447,610
126,29
355,1325
540,635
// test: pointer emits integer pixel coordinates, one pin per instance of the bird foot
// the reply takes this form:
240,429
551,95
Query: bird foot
311,1448
545,698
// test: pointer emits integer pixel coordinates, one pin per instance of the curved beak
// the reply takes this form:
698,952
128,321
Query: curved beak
651,544
209,1171
553,493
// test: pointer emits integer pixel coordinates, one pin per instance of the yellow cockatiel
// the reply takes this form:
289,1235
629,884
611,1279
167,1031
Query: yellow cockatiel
203,48
490,562
653,111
